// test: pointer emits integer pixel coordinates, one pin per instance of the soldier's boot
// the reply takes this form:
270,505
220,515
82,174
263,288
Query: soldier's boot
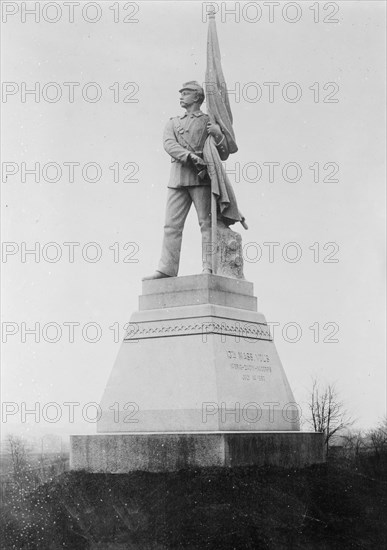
156,275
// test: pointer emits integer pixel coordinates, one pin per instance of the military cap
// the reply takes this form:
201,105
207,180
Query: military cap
192,85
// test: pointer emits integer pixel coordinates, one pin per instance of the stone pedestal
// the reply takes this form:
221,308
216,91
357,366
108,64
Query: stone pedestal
197,357
198,365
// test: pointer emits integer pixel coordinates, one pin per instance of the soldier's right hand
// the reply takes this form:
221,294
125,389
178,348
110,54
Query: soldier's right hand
197,160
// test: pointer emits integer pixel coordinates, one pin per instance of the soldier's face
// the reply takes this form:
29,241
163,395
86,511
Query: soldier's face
188,97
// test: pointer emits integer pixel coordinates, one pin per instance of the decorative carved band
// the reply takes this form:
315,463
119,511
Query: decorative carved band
238,329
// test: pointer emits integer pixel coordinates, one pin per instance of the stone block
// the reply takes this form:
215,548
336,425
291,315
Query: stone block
123,453
197,289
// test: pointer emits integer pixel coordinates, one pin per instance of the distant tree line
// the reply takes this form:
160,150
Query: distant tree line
23,470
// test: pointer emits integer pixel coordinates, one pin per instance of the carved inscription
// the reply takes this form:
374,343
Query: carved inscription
251,366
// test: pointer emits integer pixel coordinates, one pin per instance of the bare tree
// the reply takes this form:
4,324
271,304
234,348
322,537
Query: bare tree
327,412
18,450
354,443
378,438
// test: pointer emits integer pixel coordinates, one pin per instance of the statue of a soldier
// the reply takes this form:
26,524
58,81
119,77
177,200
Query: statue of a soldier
189,182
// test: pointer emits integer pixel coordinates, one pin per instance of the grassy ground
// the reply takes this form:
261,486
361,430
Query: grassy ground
328,506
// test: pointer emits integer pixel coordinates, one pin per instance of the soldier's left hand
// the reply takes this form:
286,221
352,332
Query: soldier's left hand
214,130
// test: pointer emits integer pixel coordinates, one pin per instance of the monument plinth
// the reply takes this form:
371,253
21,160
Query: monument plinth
197,382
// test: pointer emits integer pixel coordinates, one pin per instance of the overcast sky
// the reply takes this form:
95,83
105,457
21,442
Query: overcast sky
331,117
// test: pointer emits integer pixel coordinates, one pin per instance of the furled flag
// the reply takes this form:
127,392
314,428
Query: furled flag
218,108
218,105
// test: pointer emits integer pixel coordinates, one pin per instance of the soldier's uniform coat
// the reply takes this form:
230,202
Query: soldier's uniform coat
183,135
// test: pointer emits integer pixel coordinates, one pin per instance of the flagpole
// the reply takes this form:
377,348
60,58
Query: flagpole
214,213
214,227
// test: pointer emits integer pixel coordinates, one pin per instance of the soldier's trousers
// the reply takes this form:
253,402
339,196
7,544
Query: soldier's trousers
178,204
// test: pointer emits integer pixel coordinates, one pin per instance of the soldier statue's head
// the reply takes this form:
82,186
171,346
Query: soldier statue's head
191,93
